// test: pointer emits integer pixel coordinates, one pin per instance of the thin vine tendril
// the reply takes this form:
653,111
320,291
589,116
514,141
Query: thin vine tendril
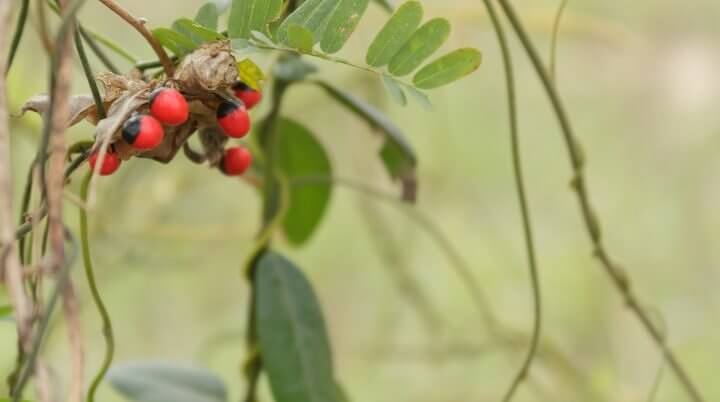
97,299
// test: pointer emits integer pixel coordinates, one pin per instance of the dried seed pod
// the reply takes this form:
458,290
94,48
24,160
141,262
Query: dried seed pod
209,68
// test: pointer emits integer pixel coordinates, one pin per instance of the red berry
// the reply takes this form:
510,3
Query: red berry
233,117
169,106
143,132
236,161
111,162
249,96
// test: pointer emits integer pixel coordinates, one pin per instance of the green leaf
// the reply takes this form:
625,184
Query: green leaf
396,93
301,155
176,42
342,24
421,45
448,68
199,33
312,15
299,37
252,15
250,74
385,5
207,16
400,162
292,333
395,34
163,382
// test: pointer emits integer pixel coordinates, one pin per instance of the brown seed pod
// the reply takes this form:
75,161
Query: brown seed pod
209,68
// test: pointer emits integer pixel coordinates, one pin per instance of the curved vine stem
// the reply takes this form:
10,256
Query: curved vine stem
139,25
97,299
522,201
616,274
89,76
554,40
19,29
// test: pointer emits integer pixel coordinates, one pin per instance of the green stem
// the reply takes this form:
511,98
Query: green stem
616,274
89,76
112,46
99,53
19,29
97,299
522,201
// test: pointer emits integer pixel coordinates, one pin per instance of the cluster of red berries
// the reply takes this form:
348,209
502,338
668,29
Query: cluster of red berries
169,107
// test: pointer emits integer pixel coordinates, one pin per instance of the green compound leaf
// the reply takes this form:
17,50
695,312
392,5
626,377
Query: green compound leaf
301,155
164,382
342,24
395,34
421,45
252,15
292,333
207,16
449,68
300,38
174,41
312,15
397,154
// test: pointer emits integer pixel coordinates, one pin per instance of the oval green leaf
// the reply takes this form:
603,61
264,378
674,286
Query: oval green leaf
394,34
292,333
312,15
252,15
164,382
301,155
176,42
342,24
207,16
421,45
448,68
250,74
298,37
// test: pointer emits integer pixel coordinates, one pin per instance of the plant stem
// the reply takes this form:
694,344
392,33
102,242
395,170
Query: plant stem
89,76
142,29
97,299
522,200
19,29
616,274
99,53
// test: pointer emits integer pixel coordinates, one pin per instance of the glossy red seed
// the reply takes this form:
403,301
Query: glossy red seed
169,106
233,118
236,161
143,132
110,163
249,96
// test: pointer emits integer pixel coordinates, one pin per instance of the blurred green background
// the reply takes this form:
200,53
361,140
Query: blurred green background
641,82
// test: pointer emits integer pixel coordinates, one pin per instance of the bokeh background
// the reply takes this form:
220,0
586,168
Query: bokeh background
641,83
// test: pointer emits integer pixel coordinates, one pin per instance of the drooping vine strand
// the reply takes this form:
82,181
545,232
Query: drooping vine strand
99,53
617,275
107,329
139,25
17,36
522,201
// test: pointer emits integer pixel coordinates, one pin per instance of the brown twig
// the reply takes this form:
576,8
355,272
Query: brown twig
139,25
55,187
10,268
